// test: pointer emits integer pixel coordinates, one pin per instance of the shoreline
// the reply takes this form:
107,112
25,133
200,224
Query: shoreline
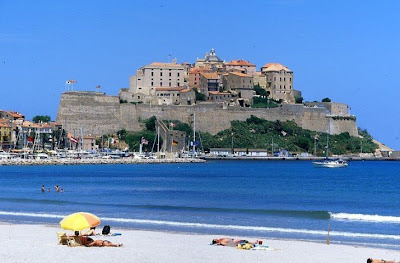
160,246
96,161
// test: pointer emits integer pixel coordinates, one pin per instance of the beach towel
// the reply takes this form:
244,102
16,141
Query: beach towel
246,246
263,247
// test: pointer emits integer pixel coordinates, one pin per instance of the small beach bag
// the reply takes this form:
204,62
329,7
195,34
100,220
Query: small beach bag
106,230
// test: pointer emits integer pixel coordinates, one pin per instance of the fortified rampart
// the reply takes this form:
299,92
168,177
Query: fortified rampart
99,114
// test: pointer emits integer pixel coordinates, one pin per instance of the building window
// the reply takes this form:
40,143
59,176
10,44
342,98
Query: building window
178,84
274,78
160,84
152,84
280,86
280,79
152,73
284,79
170,74
161,74
284,86
290,79
290,87
178,74
169,84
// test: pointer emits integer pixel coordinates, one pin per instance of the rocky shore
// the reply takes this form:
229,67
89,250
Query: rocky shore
71,161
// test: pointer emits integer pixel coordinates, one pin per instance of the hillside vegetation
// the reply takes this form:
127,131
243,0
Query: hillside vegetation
262,134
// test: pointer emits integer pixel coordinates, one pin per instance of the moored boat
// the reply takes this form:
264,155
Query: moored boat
331,163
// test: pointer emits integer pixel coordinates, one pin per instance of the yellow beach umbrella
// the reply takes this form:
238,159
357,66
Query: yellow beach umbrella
79,221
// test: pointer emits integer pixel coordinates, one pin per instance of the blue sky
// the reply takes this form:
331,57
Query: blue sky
345,50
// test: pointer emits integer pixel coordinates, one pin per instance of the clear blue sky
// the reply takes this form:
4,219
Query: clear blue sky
345,50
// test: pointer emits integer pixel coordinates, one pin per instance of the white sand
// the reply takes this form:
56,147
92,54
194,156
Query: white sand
38,243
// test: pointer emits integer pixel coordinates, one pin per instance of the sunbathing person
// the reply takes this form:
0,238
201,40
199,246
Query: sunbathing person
102,243
230,242
371,260
91,232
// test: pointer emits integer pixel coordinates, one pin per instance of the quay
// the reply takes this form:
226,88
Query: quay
298,158
72,161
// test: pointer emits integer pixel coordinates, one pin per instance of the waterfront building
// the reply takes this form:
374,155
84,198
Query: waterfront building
11,115
279,80
5,133
242,66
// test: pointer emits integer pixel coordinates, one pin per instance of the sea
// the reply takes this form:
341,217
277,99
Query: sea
357,205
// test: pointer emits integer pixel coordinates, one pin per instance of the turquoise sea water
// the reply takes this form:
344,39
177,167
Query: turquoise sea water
264,199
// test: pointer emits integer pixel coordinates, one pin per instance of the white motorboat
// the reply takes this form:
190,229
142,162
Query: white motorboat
331,163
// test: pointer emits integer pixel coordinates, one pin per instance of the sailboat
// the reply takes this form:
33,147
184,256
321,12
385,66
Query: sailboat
330,163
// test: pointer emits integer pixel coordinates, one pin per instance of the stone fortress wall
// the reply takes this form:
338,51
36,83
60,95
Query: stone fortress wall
99,114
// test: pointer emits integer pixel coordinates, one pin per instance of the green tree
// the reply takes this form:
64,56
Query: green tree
199,96
41,118
299,100
260,91
326,100
151,123
122,134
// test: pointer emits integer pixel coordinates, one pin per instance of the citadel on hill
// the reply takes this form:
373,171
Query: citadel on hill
215,91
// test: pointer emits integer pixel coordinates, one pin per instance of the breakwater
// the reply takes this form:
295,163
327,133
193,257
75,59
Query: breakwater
71,161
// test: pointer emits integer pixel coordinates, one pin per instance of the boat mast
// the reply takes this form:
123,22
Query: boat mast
194,132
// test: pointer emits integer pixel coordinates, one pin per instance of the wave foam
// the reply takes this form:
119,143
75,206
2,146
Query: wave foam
366,218
215,226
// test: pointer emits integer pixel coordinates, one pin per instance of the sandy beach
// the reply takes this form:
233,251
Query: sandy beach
38,243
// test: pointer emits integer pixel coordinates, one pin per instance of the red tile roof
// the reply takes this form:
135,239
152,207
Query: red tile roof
210,75
240,62
275,67
219,93
170,88
240,74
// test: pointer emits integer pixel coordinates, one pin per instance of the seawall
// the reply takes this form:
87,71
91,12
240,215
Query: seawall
99,114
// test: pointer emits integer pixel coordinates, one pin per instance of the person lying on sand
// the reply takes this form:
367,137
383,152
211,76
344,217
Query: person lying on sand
91,232
102,243
230,242
371,260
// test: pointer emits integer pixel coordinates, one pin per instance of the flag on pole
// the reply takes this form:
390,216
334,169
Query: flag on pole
71,81
144,141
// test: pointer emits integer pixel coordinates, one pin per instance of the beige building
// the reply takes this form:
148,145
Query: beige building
216,96
242,66
279,80
5,132
333,108
209,82
142,87
175,96
241,85
89,143
260,79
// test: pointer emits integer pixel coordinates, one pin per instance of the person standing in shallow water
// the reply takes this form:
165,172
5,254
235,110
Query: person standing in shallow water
57,187
43,188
